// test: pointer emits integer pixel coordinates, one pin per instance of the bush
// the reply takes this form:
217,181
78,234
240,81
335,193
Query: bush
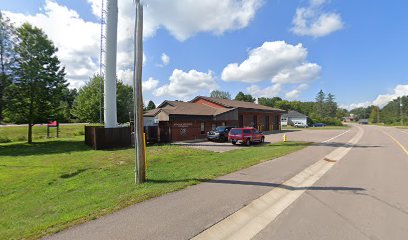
5,140
22,138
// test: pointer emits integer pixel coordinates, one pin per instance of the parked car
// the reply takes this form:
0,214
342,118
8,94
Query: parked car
219,133
318,125
300,125
245,136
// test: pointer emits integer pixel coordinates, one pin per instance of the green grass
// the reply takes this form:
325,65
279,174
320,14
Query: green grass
19,134
50,185
318,128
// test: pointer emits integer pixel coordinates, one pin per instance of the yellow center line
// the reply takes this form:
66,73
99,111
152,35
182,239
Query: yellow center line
397,142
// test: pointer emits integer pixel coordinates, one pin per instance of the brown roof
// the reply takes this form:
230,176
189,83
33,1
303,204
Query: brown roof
237,104
183,108
152,113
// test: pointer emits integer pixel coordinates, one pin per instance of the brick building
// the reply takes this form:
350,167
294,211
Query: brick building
178,121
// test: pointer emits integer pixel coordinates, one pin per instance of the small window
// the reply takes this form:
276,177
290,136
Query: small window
213,126
202,128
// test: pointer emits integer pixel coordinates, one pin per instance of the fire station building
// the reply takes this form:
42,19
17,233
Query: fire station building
179,121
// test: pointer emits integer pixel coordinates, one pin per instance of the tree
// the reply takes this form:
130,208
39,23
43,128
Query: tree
38,79
124,99
7,33
330,107
220,94
270,102
319,106
244,97
86,105
374,115
150,105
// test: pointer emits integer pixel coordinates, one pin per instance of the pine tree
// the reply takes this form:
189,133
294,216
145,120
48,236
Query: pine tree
38,79
330,106
150,105
319,106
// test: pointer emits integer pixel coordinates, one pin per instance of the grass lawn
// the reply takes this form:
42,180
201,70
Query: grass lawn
318,128
53,184
19,133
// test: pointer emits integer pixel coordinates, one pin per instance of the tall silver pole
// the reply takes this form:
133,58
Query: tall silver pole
110,112
140,171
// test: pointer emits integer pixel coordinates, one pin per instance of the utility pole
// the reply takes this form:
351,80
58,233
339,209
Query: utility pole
140,171
401,113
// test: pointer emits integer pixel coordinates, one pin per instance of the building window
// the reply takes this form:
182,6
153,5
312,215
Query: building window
202,128
213,126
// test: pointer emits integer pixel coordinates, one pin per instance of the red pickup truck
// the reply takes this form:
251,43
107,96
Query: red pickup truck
245,136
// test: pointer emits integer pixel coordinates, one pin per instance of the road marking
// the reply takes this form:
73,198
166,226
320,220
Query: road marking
251,219
397,142
341,134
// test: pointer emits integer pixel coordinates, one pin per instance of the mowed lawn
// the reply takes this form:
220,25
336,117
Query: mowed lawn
53,184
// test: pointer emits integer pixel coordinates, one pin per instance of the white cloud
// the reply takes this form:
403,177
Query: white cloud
76,39
185,18
314,21
298,74
186,84
276,61
256,91
382,99
150,84
165,59
294,94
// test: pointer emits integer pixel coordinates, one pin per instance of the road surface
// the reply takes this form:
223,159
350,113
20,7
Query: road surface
351,184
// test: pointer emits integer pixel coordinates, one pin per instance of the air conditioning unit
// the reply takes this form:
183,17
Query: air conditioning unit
156,120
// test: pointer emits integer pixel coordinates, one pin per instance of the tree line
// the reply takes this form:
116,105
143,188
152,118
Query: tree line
324,109
393,113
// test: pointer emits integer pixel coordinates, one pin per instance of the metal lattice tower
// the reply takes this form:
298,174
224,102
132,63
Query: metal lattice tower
101,62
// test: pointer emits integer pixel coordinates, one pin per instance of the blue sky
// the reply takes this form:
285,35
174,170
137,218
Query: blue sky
354,49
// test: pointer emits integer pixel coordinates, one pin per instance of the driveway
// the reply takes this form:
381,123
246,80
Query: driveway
304,135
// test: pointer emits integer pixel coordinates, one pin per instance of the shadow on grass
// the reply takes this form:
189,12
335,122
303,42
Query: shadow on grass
70,175
42,148
262,184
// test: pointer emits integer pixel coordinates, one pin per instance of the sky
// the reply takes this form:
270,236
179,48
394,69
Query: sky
356,50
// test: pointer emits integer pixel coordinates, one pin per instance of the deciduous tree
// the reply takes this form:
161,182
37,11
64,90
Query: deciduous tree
38,79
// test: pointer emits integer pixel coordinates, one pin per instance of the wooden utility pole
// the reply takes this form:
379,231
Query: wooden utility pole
140,171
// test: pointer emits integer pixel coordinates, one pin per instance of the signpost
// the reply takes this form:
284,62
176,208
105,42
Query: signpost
140,171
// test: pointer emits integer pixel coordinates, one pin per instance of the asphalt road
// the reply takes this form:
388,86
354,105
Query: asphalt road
361,195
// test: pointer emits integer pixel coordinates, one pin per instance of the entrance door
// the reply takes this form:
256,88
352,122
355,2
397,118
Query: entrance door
276,123
241,121
266,124
164,132
255,122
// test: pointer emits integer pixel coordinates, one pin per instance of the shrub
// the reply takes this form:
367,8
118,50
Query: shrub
4,139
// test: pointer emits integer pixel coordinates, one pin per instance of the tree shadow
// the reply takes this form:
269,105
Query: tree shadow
263,184
77,172
347,145
44,148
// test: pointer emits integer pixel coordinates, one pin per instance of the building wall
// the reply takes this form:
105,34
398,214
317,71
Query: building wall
261,124
191,130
